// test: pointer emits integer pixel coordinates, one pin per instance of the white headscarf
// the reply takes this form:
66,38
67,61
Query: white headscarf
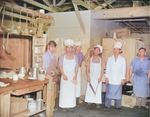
69,42
118,45
78,43
100,47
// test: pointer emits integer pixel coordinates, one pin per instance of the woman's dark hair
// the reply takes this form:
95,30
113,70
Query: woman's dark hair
53,43
142,48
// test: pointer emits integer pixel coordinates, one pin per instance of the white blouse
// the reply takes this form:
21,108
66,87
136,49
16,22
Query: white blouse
116,70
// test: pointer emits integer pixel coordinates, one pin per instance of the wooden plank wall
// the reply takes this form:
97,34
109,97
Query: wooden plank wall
19,48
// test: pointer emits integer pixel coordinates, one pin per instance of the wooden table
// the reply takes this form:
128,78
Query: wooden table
22,87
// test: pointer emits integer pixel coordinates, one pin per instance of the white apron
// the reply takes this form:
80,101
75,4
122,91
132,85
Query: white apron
67,97
95,72
78,86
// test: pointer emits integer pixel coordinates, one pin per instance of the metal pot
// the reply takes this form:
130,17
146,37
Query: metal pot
34,72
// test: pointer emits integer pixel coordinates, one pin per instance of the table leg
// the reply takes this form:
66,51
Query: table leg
5,105
50,100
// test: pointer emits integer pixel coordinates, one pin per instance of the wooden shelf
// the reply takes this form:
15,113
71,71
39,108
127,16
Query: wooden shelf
27,113
38,45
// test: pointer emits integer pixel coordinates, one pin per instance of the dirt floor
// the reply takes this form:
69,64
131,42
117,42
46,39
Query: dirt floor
84,110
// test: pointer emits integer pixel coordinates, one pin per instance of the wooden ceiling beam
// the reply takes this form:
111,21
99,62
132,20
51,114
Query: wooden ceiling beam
79,17
17,8
61,2
131,12
104,5
53,8
80,2
48,7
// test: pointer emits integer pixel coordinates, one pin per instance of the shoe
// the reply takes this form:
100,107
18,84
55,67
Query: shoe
118,109
64,109
144,107
70,109
106,108
136,107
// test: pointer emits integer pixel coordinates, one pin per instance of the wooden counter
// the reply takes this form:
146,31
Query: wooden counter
21,87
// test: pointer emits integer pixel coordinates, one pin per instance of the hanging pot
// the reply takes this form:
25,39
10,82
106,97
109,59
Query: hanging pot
19,27
26,31
13,25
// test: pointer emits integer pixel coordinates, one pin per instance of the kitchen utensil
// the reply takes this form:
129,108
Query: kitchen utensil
96,89
4,28
15,77
118,89
34,72
33,30
39,104
26,31
22,70
13,25
19,27
7,45
40,31
92,88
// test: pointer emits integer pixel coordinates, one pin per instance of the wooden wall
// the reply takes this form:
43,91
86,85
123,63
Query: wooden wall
20,49
146,40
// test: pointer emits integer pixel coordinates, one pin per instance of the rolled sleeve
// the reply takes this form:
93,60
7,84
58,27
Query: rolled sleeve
132,64
46,61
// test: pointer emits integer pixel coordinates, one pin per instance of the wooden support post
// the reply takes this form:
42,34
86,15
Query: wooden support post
5,105
50,100
79,17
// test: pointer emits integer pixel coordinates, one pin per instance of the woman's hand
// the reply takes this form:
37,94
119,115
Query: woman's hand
99,80
65,77
75,78
122,81
107,80
88,79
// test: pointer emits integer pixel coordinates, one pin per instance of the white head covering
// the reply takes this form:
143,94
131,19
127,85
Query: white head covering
118,45
78,43
69,42
100,47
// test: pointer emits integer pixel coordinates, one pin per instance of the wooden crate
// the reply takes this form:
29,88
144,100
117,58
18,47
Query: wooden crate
18,104
128,101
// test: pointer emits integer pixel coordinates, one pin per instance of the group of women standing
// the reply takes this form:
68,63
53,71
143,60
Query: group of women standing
70,83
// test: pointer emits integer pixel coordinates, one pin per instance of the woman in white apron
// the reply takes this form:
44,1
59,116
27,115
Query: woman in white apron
81,58
94,73
69,68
